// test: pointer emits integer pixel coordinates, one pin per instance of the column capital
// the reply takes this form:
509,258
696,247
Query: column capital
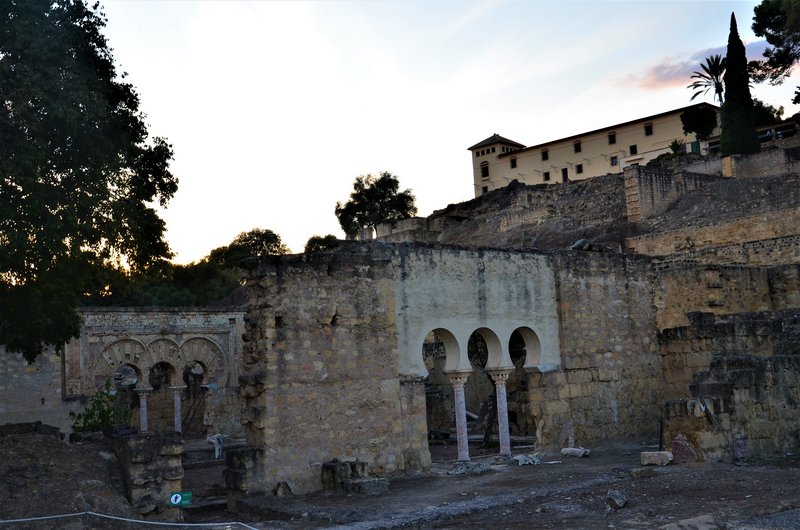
143,391
458,379
500,376
177,388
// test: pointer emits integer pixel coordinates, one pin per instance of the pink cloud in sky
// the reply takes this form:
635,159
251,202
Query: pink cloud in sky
672,72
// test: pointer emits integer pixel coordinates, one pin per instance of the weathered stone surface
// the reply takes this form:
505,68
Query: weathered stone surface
367,486
616,499
682,450
527,460
575,451
656,458
642,472
469,468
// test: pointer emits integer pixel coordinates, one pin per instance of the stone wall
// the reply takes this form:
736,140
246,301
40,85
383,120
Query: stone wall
649,190
34,392
753,228
610,385
57,384
780,158
152,471
688,350
742,407
779,250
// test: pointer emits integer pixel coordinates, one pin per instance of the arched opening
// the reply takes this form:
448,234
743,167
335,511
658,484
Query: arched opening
125,378
438,345
483,349
193,399
525,352
161,408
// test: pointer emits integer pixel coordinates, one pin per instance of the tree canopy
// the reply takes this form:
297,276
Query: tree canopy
738,119
321,243
699,120
374,200
778,21
256,242
79,172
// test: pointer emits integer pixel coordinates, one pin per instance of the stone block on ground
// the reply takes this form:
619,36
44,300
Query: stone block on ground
367,486
616,499
469,468
575,451
656,458
527,460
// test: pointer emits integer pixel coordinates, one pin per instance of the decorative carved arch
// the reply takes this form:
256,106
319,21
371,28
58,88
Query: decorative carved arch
209,354
123,351
163,350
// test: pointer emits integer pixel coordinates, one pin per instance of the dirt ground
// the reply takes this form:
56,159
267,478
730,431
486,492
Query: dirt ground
560,492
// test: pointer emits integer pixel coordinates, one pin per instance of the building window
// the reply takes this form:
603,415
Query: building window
633,150
477,154
546,176
485,189
513,163
612,138
614,161
577,146
545,154
485,170
564,174
579,169
648,129
492,149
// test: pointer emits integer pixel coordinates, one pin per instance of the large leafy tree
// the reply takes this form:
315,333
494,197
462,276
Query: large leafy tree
779,22
710,78
256,242
700,120
374,200
738,119
78,171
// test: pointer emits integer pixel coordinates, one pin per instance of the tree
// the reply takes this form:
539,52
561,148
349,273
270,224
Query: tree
700,121
374,200
321,243
779,22
256,242
766,114
710,78
738,120
78,171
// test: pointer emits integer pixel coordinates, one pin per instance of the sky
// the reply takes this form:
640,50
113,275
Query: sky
274,108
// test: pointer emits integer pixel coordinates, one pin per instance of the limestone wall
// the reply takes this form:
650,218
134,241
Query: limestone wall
779,250
688,350
649,190
610,385
743,407
759,227
320,369
34,392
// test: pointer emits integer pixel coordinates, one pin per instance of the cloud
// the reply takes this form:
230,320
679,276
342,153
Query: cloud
675,71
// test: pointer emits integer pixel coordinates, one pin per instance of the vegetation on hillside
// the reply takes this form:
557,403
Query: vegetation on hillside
374,200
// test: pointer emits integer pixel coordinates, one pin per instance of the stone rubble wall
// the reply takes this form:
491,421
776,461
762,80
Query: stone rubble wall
152,471
689,350
650,190
742,407
610,386
749,229
779,250
320,377
34,392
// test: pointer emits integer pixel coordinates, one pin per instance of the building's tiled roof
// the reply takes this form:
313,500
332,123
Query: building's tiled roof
496,139
612,127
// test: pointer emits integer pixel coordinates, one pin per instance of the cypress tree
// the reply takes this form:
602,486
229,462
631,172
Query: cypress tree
738,119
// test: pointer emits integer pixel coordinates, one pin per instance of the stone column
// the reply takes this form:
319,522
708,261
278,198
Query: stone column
500,377
176,401
458,379
143,395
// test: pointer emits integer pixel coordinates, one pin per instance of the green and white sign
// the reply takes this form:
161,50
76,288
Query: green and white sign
180,498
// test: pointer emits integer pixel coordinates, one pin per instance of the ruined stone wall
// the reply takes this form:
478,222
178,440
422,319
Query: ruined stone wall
759,227
717,289
320,374
688,350
744,406
783,156
610,386
780,250
34,392
649,190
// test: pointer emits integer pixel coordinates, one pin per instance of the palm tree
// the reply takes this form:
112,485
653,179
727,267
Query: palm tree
710,77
